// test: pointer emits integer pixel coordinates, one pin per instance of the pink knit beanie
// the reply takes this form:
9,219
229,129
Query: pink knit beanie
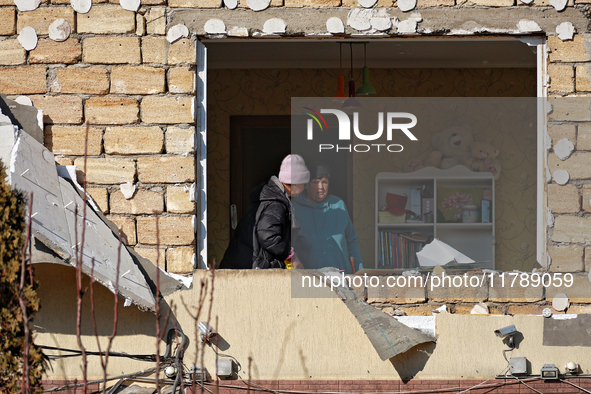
293,170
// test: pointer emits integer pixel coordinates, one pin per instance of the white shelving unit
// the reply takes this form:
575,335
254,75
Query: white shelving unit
475,240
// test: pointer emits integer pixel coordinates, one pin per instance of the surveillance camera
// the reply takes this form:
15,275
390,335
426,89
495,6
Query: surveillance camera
572,367
506,331
206,331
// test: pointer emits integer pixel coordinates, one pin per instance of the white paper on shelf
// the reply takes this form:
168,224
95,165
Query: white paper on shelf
440,253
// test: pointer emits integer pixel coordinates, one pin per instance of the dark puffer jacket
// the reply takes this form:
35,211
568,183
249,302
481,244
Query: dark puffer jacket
272,231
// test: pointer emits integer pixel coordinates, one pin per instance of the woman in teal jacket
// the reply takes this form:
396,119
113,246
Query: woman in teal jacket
327,237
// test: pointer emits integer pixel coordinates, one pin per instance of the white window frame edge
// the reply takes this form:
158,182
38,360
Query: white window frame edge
200,147
539,44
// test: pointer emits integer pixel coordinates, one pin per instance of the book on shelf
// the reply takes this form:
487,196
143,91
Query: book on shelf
398,250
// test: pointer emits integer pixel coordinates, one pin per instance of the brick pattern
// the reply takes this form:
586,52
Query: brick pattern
569,76
493,386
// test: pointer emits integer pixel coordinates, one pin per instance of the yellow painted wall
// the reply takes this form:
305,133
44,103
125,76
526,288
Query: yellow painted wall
285,338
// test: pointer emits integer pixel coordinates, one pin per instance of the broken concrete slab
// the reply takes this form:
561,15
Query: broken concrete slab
57,220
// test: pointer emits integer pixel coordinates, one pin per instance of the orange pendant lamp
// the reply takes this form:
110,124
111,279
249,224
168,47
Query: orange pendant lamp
340,96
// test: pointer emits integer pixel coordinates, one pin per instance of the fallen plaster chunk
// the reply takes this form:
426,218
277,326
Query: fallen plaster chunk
480,309
335,25
565,316
192,192
258,5
24,100
560,5
565,31
561,177
416,16
27,5
560,302
81,6
130,5
549,220
381,23
215,26
59,30
441,309
28,38
177,32
408,26
407,5
527,26
238,32
438,270
274,26
367,3
185,280
563,149
128,189
359,19
231,4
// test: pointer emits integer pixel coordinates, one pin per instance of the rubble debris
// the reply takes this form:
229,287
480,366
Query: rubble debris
408,26
565,31
24,100
367,3
237,32
177,32
563,149
274,26
359,19
28,38
559,5
335,25
59,30
231,4
127,189
27,5
560,302
381,23
81,6
215,26
561,177
480,309
130,5
527,26
258,5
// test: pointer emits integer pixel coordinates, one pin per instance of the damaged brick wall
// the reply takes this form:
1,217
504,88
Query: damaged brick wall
118,72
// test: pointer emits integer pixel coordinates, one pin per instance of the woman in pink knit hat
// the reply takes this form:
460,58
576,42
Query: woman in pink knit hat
263,237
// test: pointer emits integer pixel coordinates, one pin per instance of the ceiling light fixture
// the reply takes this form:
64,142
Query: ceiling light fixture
340,96
351,102
366,89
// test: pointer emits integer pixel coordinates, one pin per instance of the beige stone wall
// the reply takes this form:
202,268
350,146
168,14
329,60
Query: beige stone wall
118,73
569,204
